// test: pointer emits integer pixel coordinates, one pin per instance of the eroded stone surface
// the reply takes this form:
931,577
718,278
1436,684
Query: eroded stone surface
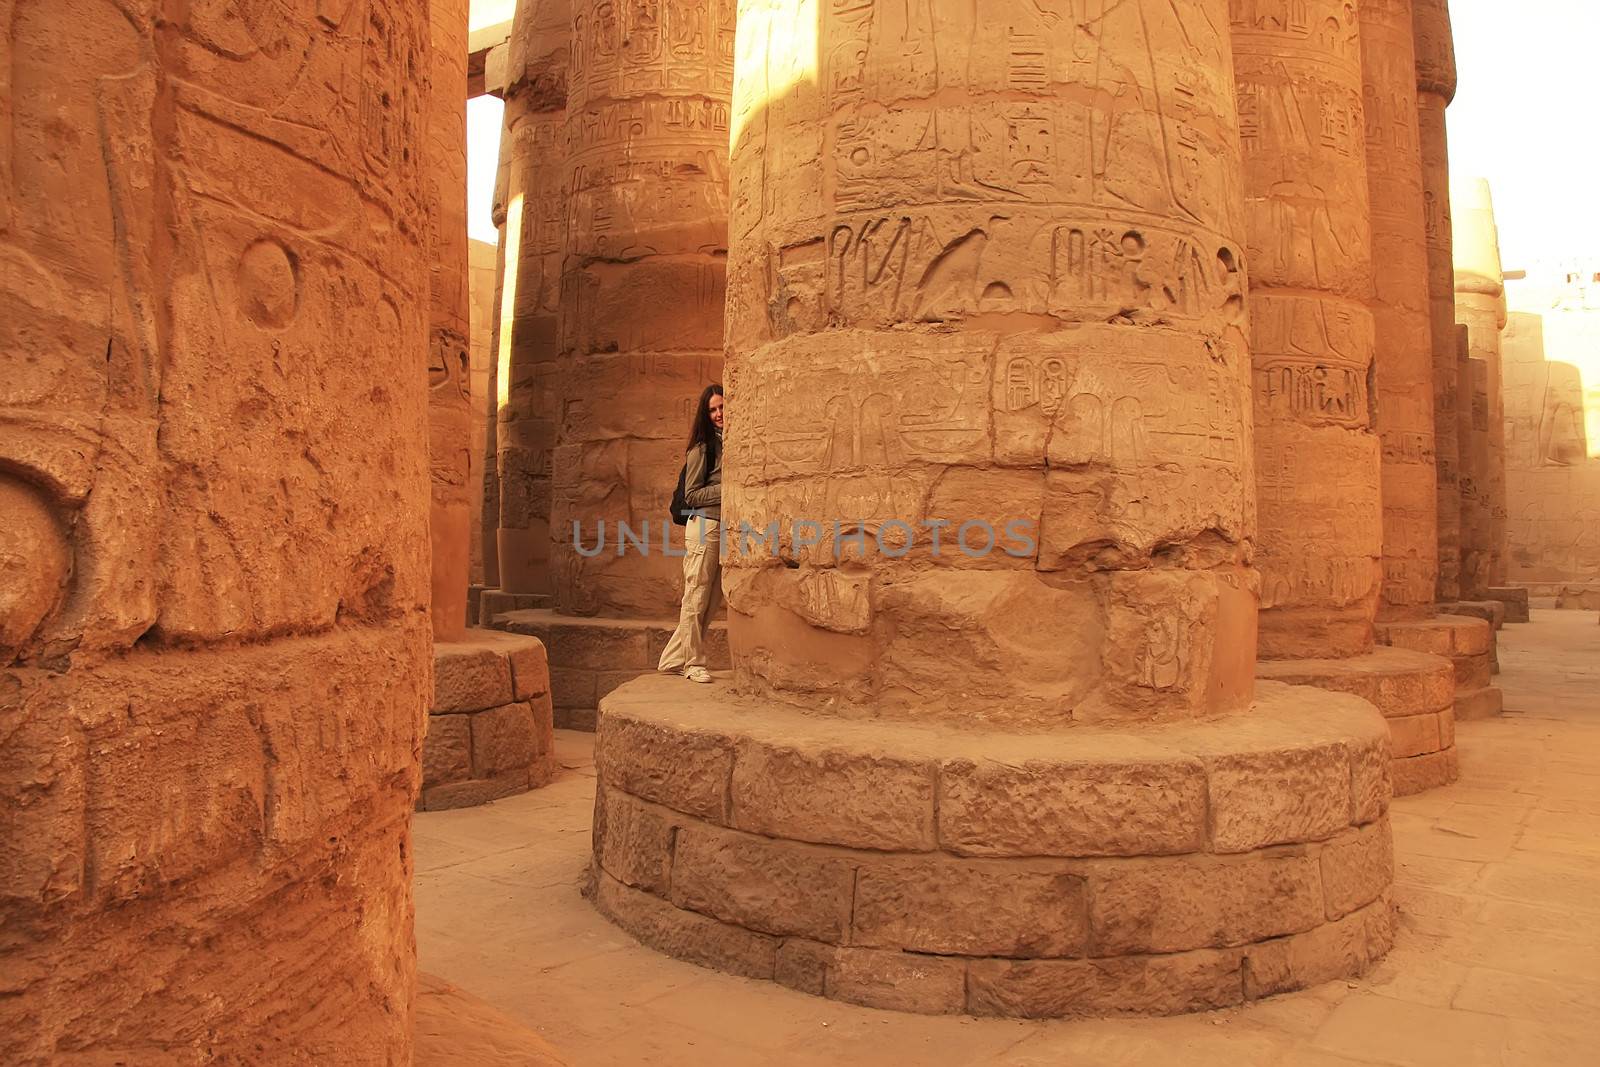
214,572
892,919
951,298
449,363
1481,308
1436,87
492,720
1311,275
531,208
1401,306
918,307
642,252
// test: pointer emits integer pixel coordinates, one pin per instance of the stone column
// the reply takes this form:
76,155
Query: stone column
1473,520
1481,307
1436,87
1404,402
1481,458
642,286
215,489
526,355
1402,333
1317,467
642,254
449,363
1307,189
985,281
499,329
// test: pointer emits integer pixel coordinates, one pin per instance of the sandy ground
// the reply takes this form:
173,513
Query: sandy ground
1497,962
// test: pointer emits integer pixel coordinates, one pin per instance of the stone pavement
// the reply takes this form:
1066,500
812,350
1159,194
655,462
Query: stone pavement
1497,961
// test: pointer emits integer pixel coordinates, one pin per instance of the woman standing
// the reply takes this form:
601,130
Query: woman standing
702,540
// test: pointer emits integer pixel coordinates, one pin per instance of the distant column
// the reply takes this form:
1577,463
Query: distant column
449,370
1436,87
642,285
1317,468
1403,340
1481,307
527,344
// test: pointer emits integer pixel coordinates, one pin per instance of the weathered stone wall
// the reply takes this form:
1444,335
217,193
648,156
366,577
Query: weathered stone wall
1436,87
957,293
213,615
1403,343
1551,379
1306,202
642,284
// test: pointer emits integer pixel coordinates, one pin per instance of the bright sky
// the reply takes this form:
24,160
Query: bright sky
483,157
1524,117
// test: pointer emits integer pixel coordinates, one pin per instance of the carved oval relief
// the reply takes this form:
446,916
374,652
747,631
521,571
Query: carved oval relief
269,284
35,562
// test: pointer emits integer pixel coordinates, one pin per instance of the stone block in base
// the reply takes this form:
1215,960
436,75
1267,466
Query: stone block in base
592,655
1492,612
1415,692
1515,600
1468,643
491,729
492,603
927,869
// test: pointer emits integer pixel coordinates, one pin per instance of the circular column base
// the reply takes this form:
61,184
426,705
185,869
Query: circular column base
1090,871
1467,643
1416,694
490,729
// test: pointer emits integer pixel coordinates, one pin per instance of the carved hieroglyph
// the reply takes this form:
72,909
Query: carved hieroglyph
214,570
642,286
527,341
1403,343
1301,122
1481,307
1436,87
986,267
449,364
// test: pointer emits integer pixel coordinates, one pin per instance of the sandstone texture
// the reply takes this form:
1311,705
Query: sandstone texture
1414,690
453,1027
525,399
1401,310
1019,874
491,721
214,477
949,300
995,743
1308,204
641,257
591,656
1434,46
1551,352
1481,308
449,362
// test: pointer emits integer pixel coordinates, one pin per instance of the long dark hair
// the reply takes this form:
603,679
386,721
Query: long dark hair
703,431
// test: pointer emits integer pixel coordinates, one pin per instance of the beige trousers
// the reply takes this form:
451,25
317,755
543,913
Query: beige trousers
702,580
